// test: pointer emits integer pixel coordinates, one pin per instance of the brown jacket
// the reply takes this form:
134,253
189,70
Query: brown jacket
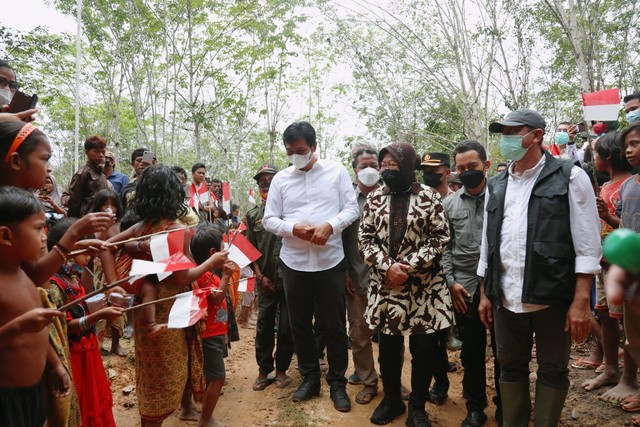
84,185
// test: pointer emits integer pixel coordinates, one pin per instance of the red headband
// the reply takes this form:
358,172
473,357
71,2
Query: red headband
17,142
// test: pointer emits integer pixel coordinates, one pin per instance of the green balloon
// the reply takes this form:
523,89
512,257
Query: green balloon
622,248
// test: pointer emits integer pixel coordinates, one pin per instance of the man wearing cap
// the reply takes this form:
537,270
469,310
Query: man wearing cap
539,252
117,179
271,297
436,168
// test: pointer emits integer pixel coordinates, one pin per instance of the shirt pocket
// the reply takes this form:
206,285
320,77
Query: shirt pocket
460,223
554,264
553,201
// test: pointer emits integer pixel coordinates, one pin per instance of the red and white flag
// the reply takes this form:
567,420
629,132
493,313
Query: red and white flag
248,284
176,262
226,197
252,197
603,106
242,252
198,196
188,308
166,245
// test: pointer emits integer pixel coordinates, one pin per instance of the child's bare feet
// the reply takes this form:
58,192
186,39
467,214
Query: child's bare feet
621,392
119,350
153,329
189,414
607,377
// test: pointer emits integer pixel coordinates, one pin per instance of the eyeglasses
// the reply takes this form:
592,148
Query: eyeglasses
390,165
13,86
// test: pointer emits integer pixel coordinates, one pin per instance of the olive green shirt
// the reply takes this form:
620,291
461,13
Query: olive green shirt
267,243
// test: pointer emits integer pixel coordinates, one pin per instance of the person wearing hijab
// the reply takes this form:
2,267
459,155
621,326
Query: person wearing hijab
403,233
51,196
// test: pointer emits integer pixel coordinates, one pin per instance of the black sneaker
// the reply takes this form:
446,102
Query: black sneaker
340,398
308,389
417,418
387,411
438,394
355,379
474,419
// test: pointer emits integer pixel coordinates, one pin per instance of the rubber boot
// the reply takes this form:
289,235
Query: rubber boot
516,404
548,406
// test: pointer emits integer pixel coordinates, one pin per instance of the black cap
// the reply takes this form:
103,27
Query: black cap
265,168
435,159
519,117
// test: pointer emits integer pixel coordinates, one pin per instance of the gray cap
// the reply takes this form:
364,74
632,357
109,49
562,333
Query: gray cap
519,117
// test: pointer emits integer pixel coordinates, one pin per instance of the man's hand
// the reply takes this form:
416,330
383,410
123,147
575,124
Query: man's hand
397,274
321,234
61,381
303,231
348,286
23,116
485,311
36,319
458,293
267,285
579,320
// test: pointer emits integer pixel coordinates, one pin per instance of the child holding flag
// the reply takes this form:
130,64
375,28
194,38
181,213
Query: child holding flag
207,241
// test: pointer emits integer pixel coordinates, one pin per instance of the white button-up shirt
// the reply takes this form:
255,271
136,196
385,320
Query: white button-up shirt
583,221
322,194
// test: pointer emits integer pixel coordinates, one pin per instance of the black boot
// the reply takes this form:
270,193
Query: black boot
417,417
388,409
309,388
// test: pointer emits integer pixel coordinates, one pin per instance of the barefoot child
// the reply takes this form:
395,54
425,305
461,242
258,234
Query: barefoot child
93,388
24,336
608,156
206,241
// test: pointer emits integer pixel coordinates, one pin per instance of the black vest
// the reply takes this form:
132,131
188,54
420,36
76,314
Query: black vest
549,272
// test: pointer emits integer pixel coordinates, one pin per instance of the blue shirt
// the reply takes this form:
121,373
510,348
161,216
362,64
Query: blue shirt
118,180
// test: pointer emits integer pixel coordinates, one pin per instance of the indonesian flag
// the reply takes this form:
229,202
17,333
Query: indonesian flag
166,245
188,308
603,105
198,196
554,150
226,197
242,252
252,197
242,227
176,262
248,284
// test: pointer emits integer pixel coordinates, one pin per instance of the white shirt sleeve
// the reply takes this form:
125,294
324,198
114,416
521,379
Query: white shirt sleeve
584,222
272,219
483,263
349,210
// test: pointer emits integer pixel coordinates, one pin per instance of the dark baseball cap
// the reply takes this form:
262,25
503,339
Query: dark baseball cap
265,168
519,117
435,159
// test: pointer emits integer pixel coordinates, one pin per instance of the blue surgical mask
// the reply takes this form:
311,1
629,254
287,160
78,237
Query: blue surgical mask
562,138
633,116
511,147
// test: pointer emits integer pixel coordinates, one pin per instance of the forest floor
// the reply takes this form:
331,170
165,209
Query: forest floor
241,406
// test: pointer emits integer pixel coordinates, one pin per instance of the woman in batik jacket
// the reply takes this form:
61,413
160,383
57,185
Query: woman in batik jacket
403,233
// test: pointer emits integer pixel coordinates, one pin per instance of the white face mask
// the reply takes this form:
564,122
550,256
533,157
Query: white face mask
5,97
369,177
299,161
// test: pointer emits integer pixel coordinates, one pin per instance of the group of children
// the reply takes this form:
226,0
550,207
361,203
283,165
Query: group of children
50,364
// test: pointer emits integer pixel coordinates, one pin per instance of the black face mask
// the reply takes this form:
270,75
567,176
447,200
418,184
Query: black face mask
471,178
395,181
432,179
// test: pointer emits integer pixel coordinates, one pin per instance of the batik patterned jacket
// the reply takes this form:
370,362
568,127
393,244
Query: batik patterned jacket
421,305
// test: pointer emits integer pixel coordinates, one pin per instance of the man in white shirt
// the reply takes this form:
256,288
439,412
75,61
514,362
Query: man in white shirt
540,249
310,203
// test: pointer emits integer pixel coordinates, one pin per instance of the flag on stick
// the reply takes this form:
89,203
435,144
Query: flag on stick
165,246
188,308
248,284
226,197
176,262
242,252
603,105
252,197
198,196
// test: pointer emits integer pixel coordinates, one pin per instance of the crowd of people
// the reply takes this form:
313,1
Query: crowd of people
420,246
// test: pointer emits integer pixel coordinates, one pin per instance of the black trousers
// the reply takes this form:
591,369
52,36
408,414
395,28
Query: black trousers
423,350
268,305
303,289
440,374
473,356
